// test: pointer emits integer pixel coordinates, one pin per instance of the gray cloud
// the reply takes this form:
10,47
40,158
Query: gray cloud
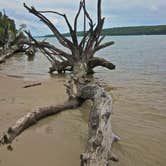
117,12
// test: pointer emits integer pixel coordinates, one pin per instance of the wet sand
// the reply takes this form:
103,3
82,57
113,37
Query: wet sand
54,141
59,140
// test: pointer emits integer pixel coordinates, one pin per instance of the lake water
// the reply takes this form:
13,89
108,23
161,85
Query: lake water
139,96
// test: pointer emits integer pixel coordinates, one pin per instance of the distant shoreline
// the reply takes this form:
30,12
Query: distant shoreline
127,31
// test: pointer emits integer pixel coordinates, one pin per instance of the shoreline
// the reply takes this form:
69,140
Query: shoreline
56,139
60,139
15,100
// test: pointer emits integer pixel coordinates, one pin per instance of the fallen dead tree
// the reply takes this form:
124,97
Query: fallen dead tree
17,45
79,88
32,85
101,137
6,55
32,118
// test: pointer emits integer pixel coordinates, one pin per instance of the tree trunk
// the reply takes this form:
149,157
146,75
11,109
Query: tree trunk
101,137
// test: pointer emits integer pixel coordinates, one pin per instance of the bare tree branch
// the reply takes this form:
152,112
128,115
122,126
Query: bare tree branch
49,46
99,11
103,46
33,117
96,61
64,41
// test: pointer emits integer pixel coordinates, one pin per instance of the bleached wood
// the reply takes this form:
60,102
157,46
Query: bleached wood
101,137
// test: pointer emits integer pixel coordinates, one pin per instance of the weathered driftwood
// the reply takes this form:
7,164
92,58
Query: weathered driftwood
12,46
31,85
32,118
10,38
6,56
101,137
9,53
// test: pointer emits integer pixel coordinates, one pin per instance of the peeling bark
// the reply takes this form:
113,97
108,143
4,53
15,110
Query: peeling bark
31,85
61,67
7,54
101,137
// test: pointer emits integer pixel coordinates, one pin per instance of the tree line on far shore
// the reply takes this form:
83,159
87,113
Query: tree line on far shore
130,30
137,30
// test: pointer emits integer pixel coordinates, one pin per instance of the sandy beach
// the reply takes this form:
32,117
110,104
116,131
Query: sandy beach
47,141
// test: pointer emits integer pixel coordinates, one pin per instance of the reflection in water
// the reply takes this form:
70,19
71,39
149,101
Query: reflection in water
138,87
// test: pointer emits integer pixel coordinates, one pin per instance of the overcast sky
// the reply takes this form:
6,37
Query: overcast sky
117,12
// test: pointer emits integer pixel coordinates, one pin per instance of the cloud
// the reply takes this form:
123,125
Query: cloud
117,12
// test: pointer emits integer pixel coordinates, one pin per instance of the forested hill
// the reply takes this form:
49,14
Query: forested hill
7,29
137,30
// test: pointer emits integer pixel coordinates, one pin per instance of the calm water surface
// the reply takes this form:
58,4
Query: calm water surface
139,96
